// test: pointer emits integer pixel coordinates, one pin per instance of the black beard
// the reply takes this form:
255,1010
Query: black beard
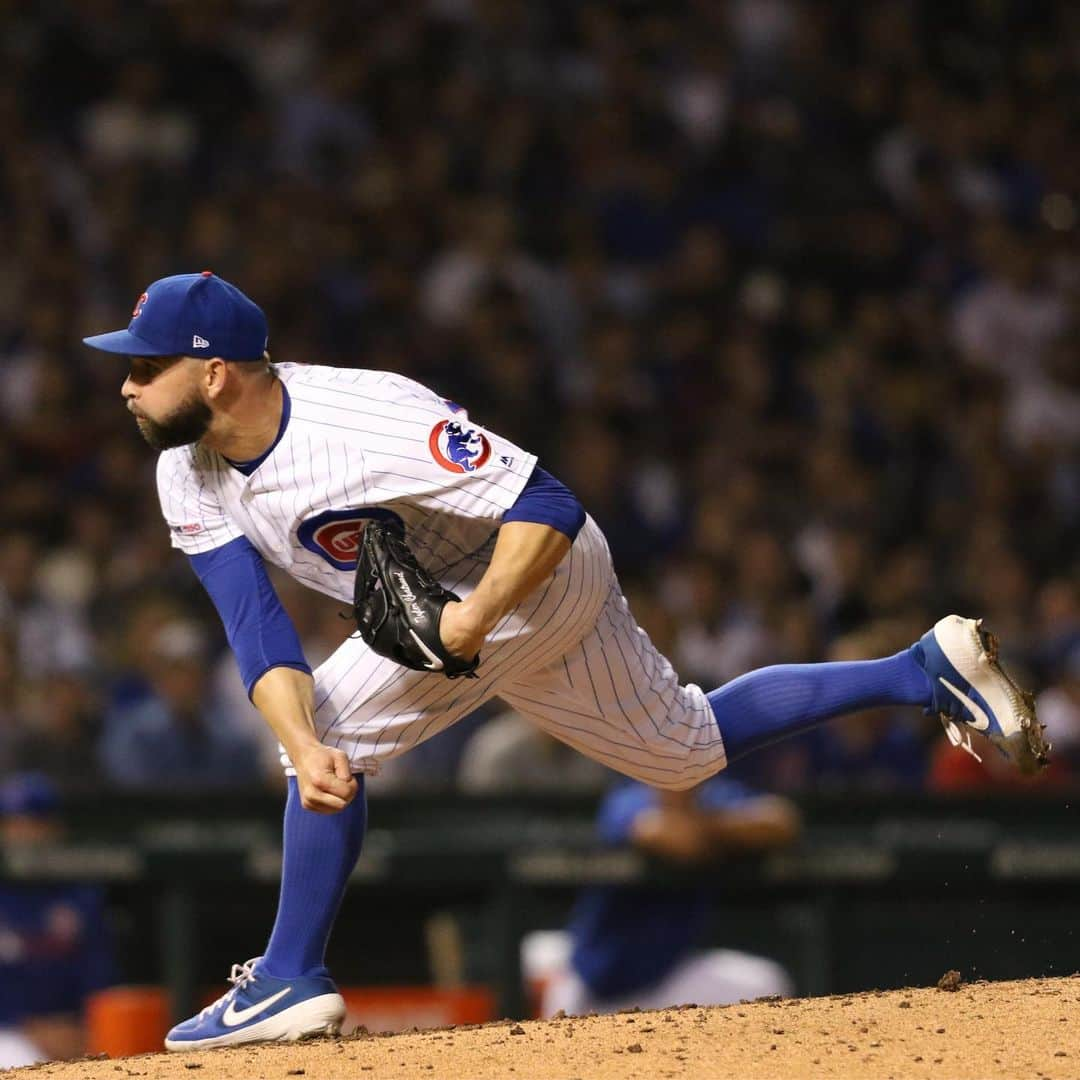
187,424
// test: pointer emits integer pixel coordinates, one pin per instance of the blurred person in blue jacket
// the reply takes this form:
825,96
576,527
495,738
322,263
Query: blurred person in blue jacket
182,733
642,946
55,946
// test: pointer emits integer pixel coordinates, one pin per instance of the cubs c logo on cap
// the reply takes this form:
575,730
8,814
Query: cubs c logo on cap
457,448
334,535
139,305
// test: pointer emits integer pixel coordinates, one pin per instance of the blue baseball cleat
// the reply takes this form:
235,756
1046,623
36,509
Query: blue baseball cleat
973,692
261,1008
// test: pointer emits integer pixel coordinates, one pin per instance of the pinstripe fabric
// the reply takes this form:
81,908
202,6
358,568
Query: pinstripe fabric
375,709
355,439
571,656
615,698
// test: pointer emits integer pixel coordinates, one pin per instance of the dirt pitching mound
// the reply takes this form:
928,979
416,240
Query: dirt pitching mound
982,1030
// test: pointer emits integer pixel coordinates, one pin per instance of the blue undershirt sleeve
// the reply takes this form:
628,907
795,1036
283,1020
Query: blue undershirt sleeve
548,501
259,629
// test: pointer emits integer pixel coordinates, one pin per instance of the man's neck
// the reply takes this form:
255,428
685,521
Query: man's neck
250,427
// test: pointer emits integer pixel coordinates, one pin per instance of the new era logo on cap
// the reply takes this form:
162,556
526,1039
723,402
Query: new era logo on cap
190,314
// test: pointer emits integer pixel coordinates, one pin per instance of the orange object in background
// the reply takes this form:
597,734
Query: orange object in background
398,1008
126,1020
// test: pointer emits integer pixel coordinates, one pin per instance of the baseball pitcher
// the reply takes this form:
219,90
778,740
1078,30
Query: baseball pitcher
473,573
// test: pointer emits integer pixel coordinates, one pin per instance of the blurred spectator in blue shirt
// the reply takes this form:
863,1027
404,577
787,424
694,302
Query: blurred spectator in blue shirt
59,722
54,943
877,750
180,735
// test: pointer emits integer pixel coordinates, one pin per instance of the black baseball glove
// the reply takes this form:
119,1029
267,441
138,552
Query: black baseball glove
397,605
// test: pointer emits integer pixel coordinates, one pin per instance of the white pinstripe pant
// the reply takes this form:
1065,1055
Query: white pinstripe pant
571,658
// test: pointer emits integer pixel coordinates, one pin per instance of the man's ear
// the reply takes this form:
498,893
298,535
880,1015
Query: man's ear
215,376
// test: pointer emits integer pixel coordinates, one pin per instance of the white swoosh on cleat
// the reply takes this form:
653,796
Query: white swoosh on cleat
979,720
233,1016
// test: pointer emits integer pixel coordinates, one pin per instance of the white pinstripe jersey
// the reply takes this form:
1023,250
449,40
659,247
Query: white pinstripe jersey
362,444
358,444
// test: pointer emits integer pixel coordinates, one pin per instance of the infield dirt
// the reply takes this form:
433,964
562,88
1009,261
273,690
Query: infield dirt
984,1030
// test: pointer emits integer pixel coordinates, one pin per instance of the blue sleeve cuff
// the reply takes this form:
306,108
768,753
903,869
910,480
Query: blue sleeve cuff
259,629
548,501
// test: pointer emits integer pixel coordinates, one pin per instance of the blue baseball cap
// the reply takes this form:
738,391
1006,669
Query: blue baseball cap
190,315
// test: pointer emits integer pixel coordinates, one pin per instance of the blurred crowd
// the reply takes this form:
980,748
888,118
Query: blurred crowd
787,291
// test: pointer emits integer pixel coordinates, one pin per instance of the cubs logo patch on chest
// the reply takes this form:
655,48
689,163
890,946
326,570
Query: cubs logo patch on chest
334,535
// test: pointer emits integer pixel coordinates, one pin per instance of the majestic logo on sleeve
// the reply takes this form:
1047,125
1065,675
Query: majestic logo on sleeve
458,448
334,535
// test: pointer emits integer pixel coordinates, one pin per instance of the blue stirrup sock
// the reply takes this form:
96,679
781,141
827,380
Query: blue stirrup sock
774,703
320,851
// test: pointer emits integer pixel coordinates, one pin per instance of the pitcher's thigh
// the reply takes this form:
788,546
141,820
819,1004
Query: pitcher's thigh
374,709
616,698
